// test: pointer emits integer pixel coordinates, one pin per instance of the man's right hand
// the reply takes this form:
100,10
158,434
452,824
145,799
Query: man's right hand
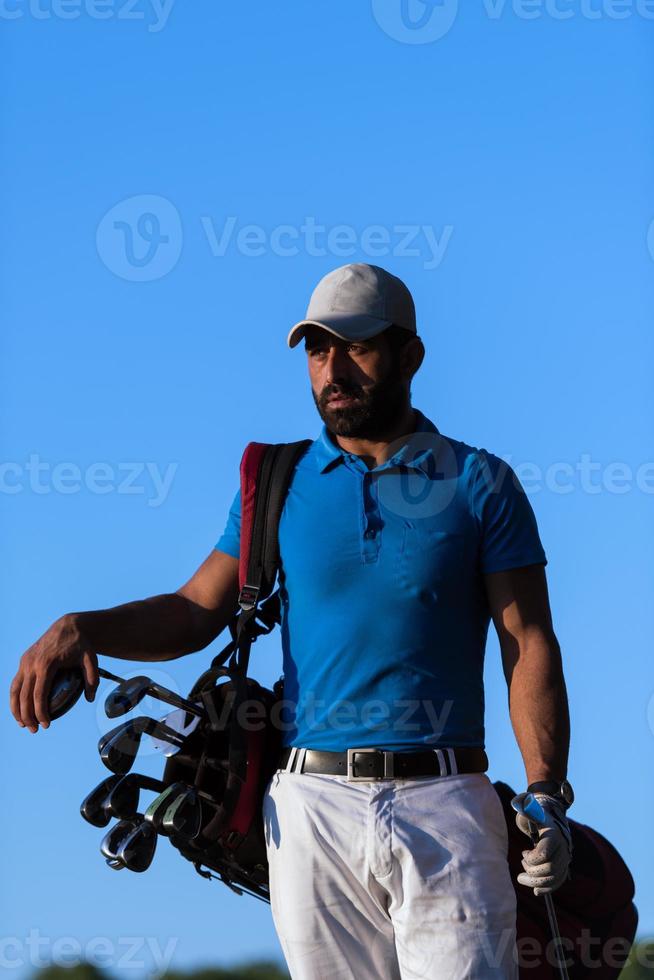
161,627
63,645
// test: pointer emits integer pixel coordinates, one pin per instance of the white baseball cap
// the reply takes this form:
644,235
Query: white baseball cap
356,302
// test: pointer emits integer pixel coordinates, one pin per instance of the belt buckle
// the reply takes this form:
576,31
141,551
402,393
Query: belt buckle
388,765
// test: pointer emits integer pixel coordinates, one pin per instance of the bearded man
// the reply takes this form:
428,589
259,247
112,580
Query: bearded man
386,841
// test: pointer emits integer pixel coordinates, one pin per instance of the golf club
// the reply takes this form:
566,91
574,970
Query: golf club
182,723
136,849
535,814
131,692
118,747
183,816
67,687
130,844
157,810
113,838
122,800
93,806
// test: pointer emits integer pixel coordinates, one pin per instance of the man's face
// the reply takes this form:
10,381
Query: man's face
357,385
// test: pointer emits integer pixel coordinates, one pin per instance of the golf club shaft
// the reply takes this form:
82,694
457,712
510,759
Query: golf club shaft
161,694
554,926
551,915
176,700
108,676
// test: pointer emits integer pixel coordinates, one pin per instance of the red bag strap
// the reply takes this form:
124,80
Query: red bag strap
250,465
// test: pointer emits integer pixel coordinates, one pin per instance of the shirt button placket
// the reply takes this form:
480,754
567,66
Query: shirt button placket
371,520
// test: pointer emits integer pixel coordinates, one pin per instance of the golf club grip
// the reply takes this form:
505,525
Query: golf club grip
534,833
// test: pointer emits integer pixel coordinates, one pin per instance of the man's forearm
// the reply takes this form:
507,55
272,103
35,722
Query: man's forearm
539,709
161,627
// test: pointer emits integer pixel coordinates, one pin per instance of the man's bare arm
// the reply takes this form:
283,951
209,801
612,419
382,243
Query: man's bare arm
531,658
159,628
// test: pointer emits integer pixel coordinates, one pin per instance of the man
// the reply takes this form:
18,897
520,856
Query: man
386,841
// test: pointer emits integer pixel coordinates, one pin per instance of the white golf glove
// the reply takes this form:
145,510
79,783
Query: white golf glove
546,865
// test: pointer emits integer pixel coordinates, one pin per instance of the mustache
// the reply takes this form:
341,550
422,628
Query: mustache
331,391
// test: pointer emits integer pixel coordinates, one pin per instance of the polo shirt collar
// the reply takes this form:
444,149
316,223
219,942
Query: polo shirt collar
328,453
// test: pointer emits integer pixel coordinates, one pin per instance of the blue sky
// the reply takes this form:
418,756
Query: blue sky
498,157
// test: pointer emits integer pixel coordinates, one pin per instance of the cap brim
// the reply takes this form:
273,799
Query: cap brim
347,326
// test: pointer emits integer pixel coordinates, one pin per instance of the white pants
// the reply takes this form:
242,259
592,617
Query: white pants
403,879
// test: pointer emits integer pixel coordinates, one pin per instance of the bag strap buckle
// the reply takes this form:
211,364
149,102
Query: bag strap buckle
248,597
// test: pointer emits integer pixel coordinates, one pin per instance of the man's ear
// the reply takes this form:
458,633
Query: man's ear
411,357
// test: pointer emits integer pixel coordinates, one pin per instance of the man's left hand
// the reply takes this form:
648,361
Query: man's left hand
546,865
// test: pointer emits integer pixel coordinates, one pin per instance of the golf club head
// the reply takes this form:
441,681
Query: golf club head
118,747
66,690
184,816
131,692
114,837
126,696
115,864
528,806
182,723
122,801
156,812
137,848
92,807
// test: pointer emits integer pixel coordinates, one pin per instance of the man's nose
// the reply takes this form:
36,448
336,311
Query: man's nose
337,366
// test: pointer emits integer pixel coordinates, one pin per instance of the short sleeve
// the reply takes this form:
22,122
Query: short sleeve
230,539
508,528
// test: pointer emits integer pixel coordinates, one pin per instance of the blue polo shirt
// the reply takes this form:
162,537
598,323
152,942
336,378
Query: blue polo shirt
384,612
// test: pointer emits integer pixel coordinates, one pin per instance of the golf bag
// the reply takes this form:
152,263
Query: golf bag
596,914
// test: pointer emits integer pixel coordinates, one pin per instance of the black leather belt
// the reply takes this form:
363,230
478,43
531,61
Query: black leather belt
359,764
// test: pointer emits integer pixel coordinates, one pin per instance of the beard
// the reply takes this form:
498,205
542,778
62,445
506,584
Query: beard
372,415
